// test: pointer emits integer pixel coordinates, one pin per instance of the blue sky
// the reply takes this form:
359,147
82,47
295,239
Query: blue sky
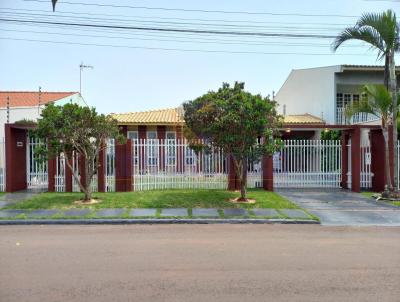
131,79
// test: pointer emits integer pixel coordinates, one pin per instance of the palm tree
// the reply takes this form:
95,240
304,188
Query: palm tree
381,31
377,101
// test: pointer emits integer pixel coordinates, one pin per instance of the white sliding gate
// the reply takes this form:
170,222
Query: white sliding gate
308,163
365,166
173,164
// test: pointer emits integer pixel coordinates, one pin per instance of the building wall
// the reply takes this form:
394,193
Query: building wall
310,91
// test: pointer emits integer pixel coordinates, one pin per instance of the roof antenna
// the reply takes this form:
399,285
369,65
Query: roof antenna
39,99
8,109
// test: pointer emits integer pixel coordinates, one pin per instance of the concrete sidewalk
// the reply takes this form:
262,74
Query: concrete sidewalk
342,207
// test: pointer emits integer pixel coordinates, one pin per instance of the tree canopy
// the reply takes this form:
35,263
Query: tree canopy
241,123
71,128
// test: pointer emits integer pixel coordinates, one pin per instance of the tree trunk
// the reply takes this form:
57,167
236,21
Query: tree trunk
243,181
387,162
88,179
393,90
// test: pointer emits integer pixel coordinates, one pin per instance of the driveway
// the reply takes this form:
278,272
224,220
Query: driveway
342,207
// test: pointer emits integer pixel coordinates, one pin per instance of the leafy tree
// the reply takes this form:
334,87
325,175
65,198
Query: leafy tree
71,128
233,119
377,101
381,31
331,135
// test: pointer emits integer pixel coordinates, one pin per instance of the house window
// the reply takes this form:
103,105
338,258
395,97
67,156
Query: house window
356,98
152,148
339,100
151,134
346,99
133,135
170,148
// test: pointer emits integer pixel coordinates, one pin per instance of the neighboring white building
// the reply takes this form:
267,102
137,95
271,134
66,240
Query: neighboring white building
29,105
325,91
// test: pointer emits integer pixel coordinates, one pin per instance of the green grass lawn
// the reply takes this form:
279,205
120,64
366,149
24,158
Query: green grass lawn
158,199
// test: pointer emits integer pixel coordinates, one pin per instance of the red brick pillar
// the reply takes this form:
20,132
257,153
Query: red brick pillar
123,164
15,144
68,175
179,154
161,135
128,166
345,159
51,173
101,170
355,159
377,160
267,172
391,155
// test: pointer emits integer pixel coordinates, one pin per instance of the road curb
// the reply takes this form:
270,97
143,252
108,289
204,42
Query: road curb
153,221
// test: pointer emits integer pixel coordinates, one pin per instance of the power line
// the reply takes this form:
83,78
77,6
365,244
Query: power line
188,40
109,20
179,49
179,30
175,18
198,10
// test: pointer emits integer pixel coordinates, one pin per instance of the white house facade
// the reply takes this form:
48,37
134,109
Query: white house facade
325,91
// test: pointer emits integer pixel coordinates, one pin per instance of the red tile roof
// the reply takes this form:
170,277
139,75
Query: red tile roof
30,98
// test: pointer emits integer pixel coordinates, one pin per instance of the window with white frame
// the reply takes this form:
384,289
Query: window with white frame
152,149
134,136
170,149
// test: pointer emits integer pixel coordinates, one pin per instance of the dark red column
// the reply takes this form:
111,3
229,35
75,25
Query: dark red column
377,160
231,174
15,140
51,170
345,159
391,155
101,170
267,172
161,135
123,167
355,159
129,166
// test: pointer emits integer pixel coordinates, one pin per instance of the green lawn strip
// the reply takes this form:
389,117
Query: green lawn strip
370,195
311,216
157,199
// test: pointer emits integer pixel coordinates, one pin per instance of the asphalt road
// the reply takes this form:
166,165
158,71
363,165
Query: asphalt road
199,263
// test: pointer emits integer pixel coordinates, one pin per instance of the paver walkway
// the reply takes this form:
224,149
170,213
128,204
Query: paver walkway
342,207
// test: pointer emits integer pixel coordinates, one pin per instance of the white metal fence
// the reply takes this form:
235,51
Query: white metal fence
110,171
361,117
308,163
173,164
36,167
365,166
